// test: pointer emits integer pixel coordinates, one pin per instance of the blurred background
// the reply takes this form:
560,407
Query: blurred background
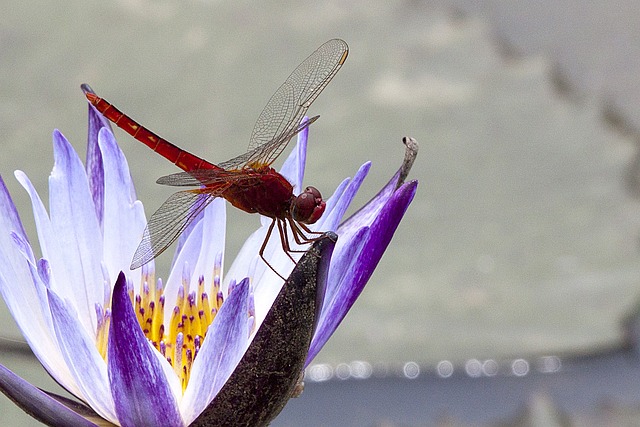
501,298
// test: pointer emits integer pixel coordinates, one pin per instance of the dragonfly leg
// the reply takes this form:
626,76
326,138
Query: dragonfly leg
295,226
299,236
309,231
284,239
264,245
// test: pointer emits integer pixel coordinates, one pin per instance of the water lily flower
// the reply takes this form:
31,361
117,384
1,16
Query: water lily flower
203,347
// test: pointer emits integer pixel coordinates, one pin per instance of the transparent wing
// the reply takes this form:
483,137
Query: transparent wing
171,219
265,154
197,177
280,118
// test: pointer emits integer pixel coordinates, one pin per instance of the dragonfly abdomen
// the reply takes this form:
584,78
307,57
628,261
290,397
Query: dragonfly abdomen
181,158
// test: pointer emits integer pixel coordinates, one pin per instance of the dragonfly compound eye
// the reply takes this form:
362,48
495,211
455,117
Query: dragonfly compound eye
308,206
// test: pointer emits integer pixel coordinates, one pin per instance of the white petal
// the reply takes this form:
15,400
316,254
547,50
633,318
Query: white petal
81,355
124,219
76,227
200,249
22,289
49,243
213,240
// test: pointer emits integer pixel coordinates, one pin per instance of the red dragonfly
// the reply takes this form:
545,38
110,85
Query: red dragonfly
247,181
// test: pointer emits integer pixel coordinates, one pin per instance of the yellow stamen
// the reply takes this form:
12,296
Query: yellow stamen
178,338
137,307
103,335
205,312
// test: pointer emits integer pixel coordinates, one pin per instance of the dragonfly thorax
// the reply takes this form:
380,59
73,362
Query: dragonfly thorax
265,192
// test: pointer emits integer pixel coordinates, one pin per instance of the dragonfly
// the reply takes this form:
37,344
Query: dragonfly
247,181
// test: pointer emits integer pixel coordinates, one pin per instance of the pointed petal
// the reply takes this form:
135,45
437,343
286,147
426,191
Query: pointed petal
184,236
139,387
350,282
94,165
333,200
266,284
25,294
345,258
267,374
33,316
80,353
366,214
331,218
76,228
10,220
14,270
37,403
124,218
31,298
49,244
80,409
226,342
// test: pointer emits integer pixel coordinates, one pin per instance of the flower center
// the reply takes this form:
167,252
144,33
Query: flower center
179,339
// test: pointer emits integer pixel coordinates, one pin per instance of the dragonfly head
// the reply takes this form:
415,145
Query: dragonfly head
308,206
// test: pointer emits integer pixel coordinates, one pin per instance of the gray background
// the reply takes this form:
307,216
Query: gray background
523,236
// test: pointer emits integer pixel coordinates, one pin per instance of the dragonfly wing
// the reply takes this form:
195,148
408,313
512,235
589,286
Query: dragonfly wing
171,219
280,118
266,154
197,177
269,152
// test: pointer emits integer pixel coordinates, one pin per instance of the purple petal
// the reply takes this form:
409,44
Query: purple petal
79,351
76,228
95,168
225,344
351,281
333,200
37,403
214,232
366,214
345,258
332,218
139,387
